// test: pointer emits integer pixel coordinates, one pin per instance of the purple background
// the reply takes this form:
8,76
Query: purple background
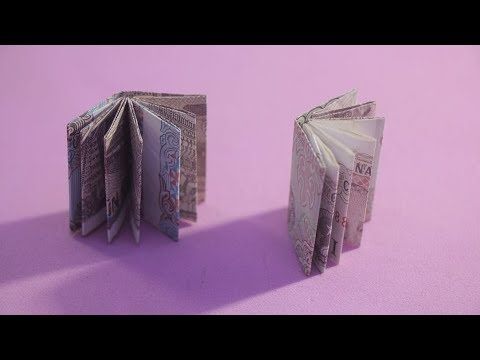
420,253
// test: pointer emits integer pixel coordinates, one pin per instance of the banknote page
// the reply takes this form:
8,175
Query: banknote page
92,171
73,150
346,161
118,159
136,141
185,121
196,104
371,127
306,186
160,172
342,101
327,205
345,139
365,110
364,148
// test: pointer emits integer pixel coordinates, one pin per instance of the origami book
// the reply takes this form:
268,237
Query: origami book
336,150
137,155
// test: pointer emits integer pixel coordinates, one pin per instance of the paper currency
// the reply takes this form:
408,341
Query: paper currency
161,173
307,179
74,159
92,173
185,122
118,156
196,104
136,171
342,142
136,156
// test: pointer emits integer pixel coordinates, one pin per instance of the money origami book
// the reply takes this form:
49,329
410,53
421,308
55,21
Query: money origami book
137,155
336,149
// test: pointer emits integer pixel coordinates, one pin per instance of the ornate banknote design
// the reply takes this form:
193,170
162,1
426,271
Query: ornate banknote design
188,168
134,156
306,184
136,171
360,118
325,222
92,171
344,138
339,222
358,199
196,104
374,129
161,173
169,195
118,157
73,147
340,102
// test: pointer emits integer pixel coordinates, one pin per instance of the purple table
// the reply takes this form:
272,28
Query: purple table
420,253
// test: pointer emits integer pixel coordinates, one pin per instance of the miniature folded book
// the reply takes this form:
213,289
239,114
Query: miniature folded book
137,155
336,150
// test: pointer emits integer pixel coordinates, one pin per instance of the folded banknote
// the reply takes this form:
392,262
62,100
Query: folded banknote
137,155
336,150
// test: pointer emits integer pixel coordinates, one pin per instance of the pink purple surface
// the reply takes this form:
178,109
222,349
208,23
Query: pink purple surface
420,254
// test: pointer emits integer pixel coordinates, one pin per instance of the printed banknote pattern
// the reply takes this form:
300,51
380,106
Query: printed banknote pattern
339,222
188,171
92,174
136,171
330,200
325,222
359,118
307,178
196,104
169,195
73,148
358,200
115,169
118,155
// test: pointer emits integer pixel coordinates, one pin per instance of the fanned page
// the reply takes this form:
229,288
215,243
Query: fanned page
306,186
327,202
118,175
346,139
92,170
363,148
345,158
136,141
74,129
185,122
192,104
161,171
372,127
132,157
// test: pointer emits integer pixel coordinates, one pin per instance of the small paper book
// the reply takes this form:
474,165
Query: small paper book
336,150
137,155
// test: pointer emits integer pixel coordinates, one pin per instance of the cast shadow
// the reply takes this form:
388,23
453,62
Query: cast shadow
205,270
